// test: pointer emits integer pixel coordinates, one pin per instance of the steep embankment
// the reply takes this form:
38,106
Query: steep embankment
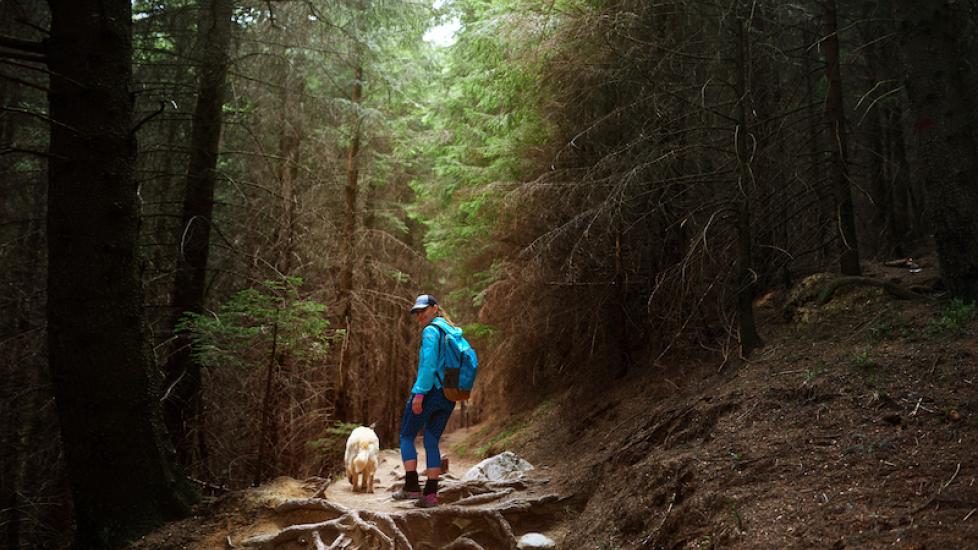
855,427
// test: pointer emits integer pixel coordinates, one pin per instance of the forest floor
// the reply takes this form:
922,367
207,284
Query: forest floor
856,426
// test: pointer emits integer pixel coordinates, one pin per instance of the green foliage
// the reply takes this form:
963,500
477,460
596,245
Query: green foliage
482,114
862,360
498,441
870,369
245,328
812,373
953,319
867,445
335,438
483,442
735,514
889,329
481,331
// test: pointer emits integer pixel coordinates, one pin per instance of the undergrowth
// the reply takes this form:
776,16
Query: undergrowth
953,320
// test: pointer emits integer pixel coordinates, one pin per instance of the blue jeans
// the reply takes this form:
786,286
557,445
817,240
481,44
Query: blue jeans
436,409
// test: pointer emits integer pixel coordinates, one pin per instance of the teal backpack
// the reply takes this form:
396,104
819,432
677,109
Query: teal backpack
458,363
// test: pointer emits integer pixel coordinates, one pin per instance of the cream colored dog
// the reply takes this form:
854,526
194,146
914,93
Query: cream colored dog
362,455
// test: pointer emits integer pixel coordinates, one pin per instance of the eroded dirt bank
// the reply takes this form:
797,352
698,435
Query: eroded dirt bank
855,427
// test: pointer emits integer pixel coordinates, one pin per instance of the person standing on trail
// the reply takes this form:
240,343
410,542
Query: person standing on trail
427,408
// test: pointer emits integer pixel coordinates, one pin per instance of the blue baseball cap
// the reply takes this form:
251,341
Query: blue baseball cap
424,301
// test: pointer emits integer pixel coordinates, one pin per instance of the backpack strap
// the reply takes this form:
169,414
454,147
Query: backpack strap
444,334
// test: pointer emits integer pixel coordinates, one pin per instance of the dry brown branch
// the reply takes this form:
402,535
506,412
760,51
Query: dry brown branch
483,498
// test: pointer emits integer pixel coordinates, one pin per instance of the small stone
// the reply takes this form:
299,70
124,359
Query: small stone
954,415
531,541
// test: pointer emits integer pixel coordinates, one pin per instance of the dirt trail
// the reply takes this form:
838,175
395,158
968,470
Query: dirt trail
287,513
390,475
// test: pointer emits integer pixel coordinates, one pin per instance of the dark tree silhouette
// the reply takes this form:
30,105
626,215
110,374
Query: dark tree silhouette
104,377
749,338
940,83
844,215
190,285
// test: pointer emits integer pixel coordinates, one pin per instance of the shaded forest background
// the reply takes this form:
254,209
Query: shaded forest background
214,213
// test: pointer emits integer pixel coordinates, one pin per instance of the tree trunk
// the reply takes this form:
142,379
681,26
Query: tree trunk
940,83
350,229
265,449
183,380
749,339
844,215
906,226
104,378
823,217
290,141
12,323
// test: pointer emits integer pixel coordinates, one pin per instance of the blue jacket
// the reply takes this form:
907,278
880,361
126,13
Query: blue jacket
428,359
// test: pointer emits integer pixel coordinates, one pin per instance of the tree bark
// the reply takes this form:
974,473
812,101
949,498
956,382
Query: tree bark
350,229
940,82
823,216
290,141
749,338
104,378
844,215
183,379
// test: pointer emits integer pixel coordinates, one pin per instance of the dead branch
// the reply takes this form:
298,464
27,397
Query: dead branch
22,45
483,498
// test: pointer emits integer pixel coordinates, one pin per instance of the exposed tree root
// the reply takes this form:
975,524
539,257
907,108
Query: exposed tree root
481,518
825,294
463,543
463,491
483,498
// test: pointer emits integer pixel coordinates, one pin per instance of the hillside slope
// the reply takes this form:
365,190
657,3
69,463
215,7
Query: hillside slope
855,427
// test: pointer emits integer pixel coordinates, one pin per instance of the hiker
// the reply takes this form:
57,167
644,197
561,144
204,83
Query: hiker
427,407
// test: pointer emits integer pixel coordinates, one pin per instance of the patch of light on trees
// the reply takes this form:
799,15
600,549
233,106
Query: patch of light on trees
443,34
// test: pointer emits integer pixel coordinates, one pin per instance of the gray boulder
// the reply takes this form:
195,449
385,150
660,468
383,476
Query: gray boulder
505,466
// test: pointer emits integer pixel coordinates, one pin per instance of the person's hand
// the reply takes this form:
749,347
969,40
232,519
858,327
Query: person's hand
416,403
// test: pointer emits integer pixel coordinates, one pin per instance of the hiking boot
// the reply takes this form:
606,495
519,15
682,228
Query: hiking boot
407,495
427,501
